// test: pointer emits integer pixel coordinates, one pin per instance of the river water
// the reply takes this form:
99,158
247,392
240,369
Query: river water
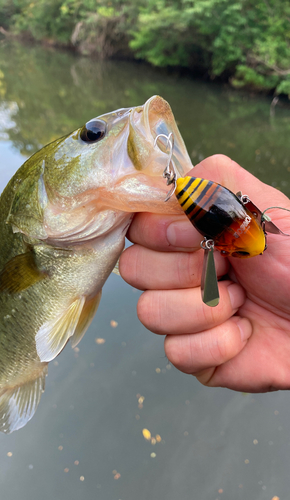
85,440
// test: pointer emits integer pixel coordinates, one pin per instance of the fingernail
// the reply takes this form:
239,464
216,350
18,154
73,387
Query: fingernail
182,234
245,328
237,295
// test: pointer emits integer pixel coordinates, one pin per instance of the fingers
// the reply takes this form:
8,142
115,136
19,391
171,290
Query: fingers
200,354
182,311
146,269
164,233
222,169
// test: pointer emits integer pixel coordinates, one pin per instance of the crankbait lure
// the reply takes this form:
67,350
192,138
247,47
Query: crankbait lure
229,222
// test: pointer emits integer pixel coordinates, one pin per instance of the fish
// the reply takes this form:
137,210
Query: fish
64,217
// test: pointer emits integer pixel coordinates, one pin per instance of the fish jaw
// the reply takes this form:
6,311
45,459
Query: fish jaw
139,184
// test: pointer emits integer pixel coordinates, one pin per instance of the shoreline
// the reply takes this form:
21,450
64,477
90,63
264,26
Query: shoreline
180,71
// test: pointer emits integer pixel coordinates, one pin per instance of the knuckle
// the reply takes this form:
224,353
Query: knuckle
187,270
171,350
143,307
215,316
130,264
180,352
149,311
222,159
225,344
219,350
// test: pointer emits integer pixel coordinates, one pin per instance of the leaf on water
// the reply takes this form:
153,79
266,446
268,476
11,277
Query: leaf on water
146,434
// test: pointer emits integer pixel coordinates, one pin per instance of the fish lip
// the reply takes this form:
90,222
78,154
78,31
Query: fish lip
151,102
146,122
146,107
155,104
145,156
159,119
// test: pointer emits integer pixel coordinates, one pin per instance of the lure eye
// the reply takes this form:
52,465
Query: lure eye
93,131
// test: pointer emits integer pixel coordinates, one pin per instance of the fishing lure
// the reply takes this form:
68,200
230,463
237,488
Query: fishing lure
230,223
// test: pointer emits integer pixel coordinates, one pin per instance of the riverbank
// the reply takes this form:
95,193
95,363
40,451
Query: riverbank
245,43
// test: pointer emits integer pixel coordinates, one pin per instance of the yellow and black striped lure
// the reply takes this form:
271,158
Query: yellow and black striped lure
229,222
219,215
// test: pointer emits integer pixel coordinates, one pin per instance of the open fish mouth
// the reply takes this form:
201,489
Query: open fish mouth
158,117
147,122
139,184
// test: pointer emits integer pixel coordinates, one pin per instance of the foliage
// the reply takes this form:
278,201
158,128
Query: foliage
246,41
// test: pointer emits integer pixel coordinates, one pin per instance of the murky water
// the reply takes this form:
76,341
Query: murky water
85,440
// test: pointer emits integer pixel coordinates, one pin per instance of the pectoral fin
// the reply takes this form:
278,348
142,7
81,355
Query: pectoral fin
87,314
116,268
20,273
53,335
18,404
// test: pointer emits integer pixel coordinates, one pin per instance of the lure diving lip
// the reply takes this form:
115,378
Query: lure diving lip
229,222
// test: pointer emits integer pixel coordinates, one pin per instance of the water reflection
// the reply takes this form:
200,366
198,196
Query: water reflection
47,94
86,440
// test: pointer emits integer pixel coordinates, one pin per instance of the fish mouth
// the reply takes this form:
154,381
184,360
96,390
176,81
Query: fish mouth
147,122
159,119
158,116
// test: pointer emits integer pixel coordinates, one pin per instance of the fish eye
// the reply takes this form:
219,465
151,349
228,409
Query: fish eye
93,131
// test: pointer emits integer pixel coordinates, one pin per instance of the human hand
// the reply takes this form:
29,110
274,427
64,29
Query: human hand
244,342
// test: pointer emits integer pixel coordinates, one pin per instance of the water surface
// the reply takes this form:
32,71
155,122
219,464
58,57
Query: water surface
85,440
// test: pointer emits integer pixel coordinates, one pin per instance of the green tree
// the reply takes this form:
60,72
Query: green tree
244,41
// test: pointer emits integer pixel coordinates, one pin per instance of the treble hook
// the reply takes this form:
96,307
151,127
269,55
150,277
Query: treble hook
169,172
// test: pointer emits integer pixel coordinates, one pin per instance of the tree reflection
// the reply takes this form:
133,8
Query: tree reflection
45,94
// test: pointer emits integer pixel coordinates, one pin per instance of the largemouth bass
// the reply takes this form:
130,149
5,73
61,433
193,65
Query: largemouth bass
63,220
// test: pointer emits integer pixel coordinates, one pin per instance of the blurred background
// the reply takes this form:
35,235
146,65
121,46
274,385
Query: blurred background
117,421
245,42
